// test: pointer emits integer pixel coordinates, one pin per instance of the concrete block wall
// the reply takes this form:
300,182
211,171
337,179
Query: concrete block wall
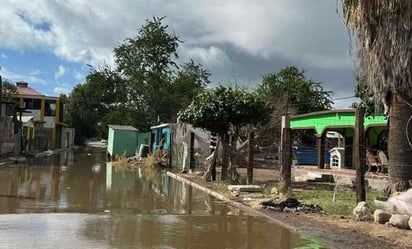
375,182
6,136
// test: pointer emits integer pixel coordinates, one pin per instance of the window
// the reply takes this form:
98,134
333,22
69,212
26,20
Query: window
33,104
50,108
335,161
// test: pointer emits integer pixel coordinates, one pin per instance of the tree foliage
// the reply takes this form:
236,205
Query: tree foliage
382,29
367,100
146,62
224,109
145,87
9,91
384,43
190,80
91,105
298,94
290,92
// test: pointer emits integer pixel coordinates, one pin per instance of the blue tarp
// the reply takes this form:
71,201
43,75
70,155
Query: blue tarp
308,156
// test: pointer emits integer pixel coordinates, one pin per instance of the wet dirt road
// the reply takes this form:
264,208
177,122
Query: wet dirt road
78,200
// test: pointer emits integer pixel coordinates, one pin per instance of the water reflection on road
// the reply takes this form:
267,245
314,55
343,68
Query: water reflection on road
96,205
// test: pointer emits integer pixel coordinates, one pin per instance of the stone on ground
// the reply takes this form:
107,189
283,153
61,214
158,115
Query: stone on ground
380,216
362,211
400,221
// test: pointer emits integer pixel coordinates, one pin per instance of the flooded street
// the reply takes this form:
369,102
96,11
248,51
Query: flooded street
77,200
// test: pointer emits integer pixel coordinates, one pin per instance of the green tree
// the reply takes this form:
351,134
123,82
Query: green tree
367,101
9,92
189,81
298,94
146,62
91,106
382,30
223,110
290,92
146,87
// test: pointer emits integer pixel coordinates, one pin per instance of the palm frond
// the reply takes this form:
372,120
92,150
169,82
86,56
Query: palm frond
383,29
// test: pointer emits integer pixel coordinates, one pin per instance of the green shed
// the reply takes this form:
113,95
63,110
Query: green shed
122,140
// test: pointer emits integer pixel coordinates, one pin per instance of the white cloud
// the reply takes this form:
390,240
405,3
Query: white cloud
79,76
344,103
4,56
209,57
217,34
87,31
61,90
327,61
292,29
34,72
17,33
24,76
61,70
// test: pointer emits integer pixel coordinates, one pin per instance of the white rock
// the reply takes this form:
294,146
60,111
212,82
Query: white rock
410,223
400,221
362,211
380,216
400,204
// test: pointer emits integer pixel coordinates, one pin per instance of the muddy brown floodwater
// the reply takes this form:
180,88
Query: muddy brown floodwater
78,200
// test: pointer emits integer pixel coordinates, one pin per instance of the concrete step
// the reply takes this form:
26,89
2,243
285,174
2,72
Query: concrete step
314,177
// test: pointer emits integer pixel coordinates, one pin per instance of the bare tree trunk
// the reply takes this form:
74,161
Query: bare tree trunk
400,143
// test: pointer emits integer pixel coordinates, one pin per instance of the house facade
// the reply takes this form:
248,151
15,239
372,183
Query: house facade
185,146
47,112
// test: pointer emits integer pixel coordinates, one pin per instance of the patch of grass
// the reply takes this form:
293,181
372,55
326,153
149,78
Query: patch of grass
242,180
345,198
120,162
266,191
282,188
150,161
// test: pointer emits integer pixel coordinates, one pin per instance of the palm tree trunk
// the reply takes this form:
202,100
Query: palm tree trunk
399,146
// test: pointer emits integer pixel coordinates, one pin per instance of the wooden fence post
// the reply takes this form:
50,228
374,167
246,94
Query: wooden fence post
192,160
286,173
250,157
286,153
320,144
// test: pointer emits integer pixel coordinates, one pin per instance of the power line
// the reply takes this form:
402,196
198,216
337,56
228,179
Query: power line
342,98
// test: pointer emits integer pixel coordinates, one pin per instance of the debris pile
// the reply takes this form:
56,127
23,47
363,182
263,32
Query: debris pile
292,205
396,211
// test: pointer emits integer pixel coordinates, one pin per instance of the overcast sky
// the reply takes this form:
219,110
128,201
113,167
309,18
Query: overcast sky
49,43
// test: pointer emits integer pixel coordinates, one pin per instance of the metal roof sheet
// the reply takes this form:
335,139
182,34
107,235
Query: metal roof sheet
28,91
123,127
